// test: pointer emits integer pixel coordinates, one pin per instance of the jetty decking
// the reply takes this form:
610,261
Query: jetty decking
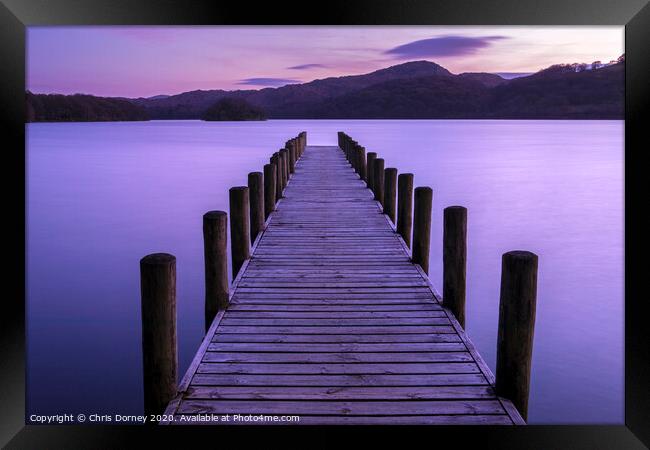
330,320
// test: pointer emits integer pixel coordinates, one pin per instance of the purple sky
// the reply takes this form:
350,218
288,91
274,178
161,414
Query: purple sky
145,61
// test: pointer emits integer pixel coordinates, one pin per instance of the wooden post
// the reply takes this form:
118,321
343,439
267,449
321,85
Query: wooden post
370,170
275,160
283,169
454,260
405,206
158,310
422,227
239,228
516,327
378,167
292,155
256,197
390,188
269,189
215,256
357,160
362,163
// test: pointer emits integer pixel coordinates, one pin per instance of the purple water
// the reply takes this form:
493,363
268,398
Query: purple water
102,195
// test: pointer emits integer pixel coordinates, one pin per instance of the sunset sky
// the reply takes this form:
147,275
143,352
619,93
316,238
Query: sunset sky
146,61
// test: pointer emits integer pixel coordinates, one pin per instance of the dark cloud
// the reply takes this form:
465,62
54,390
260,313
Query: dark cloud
442,46
306,66
272,82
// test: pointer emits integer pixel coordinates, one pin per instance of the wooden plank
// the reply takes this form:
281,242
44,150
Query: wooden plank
346,408
477,419
356,322
418,329
335,357
341,393
334,309
332,315
219,336
343,369
337,347
383,381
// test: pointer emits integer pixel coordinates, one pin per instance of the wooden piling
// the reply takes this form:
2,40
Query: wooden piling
370,170
286,166
378,183
269,189
362,162
422,226
283,169
215,257
256,197
291,151
239,227
405,206
516,327
275,160
158,314
390,195
454,261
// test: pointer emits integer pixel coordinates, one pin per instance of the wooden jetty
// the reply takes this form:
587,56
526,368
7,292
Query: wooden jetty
330,319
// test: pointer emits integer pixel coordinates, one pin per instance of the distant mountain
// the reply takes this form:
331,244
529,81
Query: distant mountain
293,100
81,108
553,94
424,90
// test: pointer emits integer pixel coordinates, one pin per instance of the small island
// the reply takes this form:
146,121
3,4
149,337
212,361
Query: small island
233,109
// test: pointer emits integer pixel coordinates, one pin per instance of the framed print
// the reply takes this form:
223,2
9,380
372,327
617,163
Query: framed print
357,217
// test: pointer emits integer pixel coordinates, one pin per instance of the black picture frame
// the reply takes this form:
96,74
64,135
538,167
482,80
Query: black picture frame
15,15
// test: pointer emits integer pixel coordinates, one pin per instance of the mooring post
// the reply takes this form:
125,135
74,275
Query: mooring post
516,327
283,167
286,167
280,175
275,161
378,167
291,146
256,197
362,162
405,206
158,311
303,142
422,227
370,170
239,227
269,189
390,195
215,254
454,261
357,158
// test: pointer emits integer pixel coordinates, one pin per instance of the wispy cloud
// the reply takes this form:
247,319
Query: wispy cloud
307,66
269,82
442,46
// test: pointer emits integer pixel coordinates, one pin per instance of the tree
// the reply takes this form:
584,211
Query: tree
233,109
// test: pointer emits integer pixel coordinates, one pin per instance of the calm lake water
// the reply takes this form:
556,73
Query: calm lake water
102,195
